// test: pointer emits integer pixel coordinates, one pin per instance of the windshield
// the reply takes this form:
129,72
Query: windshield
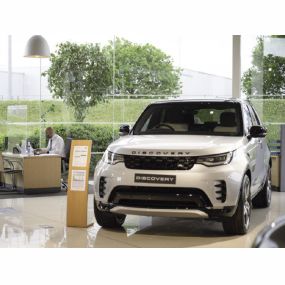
193,118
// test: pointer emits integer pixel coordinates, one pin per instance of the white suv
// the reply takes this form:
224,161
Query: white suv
187,158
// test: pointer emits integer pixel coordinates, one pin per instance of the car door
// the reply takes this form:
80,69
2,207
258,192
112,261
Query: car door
263,154
252,150
259,168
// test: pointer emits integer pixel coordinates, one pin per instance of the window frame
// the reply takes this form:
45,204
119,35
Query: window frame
247,114
257,119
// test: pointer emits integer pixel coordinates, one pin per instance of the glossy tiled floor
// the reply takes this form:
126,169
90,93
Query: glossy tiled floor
40,222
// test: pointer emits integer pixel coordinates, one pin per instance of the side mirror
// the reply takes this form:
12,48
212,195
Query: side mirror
124,130
257,132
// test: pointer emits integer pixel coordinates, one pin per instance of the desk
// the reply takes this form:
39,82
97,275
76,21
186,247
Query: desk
40,174
275,171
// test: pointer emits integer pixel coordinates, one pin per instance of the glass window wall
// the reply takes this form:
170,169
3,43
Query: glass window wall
89,86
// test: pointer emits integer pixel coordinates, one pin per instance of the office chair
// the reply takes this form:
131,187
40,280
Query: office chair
67,148
8,171
65,163
6,143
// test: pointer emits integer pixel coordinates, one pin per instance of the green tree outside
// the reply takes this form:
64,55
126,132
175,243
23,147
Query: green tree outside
80,75
142,69
266,77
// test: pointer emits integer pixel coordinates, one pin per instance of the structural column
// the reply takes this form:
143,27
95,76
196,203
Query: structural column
236,67
282,158
10,95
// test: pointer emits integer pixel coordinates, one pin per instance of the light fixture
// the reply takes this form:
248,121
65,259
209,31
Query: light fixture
37,47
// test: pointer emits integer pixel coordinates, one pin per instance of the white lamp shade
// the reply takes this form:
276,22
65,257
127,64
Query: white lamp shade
37,46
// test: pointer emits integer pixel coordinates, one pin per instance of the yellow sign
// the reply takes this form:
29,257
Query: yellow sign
78,174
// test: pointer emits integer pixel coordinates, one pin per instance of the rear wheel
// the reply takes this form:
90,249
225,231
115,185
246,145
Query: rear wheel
238,224
263,198
108,220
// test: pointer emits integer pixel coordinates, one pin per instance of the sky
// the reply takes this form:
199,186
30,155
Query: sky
198,41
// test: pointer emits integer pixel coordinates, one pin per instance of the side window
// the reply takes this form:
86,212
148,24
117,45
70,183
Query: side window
247,118
254,115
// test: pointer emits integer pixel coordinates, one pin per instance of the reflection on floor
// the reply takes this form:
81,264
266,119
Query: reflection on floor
40,222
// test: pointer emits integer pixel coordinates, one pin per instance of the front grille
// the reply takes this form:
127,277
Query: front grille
159,162
159,197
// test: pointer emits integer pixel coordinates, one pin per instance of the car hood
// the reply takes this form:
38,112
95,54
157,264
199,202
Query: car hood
176,145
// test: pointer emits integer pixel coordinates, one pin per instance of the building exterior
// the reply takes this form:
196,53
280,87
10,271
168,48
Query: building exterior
18,81
26,84
200,84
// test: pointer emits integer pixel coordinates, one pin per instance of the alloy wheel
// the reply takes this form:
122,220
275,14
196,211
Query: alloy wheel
247,203
268,188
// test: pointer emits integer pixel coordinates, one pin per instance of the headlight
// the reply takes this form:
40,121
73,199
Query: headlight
113,158
215,160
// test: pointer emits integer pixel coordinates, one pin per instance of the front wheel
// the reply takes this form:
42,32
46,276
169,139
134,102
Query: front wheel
108,220
238,224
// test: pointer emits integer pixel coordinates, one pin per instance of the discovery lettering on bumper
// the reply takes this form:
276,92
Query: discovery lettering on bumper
152,178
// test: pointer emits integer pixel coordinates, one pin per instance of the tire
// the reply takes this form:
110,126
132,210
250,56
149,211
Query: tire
263,198
108,220
238,224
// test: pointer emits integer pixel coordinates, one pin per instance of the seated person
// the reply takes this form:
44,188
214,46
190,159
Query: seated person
55,144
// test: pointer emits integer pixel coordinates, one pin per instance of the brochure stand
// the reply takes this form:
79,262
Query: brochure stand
77,194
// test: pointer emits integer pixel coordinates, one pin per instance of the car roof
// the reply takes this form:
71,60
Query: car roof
185,100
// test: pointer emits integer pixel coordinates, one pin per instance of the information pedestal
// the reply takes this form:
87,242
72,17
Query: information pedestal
77,195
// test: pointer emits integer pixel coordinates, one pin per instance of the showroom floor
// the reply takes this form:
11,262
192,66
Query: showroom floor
40,222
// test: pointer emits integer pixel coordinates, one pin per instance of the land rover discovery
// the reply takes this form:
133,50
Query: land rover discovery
187,158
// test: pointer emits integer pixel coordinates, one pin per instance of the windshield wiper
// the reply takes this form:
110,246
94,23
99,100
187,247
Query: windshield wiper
157,131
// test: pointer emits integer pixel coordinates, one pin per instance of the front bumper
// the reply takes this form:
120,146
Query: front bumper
160,212
200,178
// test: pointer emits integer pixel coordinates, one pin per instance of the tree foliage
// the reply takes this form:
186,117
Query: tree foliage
142,69
80,75
267,74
